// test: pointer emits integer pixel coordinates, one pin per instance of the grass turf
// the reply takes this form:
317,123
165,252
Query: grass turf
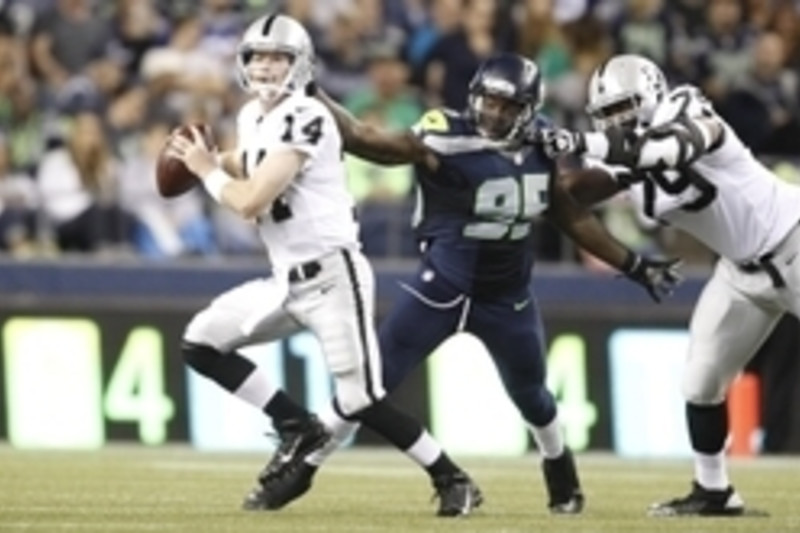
175,489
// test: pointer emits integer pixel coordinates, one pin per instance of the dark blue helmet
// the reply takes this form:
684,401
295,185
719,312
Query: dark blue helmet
504,94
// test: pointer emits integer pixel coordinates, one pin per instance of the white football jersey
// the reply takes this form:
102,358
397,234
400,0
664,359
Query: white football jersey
726,198
315,214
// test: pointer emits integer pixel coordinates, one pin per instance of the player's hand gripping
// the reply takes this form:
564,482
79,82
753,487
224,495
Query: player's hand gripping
194,152
659,277
559,142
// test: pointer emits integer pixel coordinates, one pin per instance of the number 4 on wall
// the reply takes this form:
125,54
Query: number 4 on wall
54,388
135,392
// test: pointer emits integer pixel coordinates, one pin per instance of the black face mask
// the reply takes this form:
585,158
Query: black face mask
496,116
626,108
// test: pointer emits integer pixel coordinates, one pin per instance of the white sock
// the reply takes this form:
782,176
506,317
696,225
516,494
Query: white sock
425,451
711,471
341,430
549,439
256,389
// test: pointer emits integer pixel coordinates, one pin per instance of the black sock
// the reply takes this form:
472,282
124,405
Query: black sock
281,408
708,427
443,465
402,431
228,370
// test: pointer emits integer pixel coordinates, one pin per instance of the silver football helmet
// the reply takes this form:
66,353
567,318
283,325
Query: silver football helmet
625,91
276,33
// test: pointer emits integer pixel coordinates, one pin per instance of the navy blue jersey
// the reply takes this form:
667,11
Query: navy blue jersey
474,212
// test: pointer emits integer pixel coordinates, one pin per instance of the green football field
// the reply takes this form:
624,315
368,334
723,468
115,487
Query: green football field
175,489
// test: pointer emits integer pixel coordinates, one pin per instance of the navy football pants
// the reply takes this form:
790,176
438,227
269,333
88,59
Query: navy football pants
430,310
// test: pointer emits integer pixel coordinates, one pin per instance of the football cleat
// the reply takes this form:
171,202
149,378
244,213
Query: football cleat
701,502
279,490
563,487
457,494
282,479
299,438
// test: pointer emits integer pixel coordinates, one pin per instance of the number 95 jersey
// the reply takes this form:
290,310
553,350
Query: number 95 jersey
474,211
314,215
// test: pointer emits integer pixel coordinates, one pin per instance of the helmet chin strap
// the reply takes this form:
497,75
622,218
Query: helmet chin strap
268,93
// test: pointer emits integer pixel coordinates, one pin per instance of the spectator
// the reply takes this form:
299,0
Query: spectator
164,228
786,23
18,205
444,18
764,107
68,50
26,124
541,38
137,27
724,49
78,190
222,27
182,73
341,56
589,46
644,29
456,56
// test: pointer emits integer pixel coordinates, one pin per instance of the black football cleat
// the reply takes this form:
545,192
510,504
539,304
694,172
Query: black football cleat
563,487
279,490
299,439
701,502
457,494
283,478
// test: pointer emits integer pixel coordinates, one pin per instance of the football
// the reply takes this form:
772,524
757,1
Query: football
172,176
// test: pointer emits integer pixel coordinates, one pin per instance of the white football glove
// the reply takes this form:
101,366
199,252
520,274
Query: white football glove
559,142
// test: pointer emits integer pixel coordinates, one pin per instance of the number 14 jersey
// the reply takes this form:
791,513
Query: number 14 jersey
314,215
728,199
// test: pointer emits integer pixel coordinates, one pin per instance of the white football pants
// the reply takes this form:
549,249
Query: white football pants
337,305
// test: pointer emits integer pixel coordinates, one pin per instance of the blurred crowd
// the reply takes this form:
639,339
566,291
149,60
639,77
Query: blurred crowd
89,90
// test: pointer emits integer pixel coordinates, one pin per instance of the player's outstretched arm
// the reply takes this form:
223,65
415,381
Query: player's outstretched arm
672,144
373,143
589,186
658,277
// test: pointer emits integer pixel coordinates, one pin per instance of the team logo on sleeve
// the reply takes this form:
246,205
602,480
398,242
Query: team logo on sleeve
434,120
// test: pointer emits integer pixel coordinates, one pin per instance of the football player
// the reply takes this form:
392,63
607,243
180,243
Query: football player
294,190
683,165
479,188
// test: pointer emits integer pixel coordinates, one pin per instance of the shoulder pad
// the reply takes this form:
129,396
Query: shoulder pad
685,100
433,121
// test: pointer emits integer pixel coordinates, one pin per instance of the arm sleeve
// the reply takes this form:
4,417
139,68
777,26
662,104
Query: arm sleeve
681,132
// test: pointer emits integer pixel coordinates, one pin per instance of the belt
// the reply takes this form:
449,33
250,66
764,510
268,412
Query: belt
305,271
765,264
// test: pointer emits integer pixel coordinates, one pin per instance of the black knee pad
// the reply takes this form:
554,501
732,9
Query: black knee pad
201,357
229,370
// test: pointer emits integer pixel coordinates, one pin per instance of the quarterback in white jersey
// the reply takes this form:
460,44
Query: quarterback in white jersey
684,166
292,185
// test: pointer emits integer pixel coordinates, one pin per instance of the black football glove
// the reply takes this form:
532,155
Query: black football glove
659,277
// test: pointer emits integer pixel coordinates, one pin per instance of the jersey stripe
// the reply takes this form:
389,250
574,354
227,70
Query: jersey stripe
361,318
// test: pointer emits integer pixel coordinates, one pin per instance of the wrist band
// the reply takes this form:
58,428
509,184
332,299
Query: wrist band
631,263
215,181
